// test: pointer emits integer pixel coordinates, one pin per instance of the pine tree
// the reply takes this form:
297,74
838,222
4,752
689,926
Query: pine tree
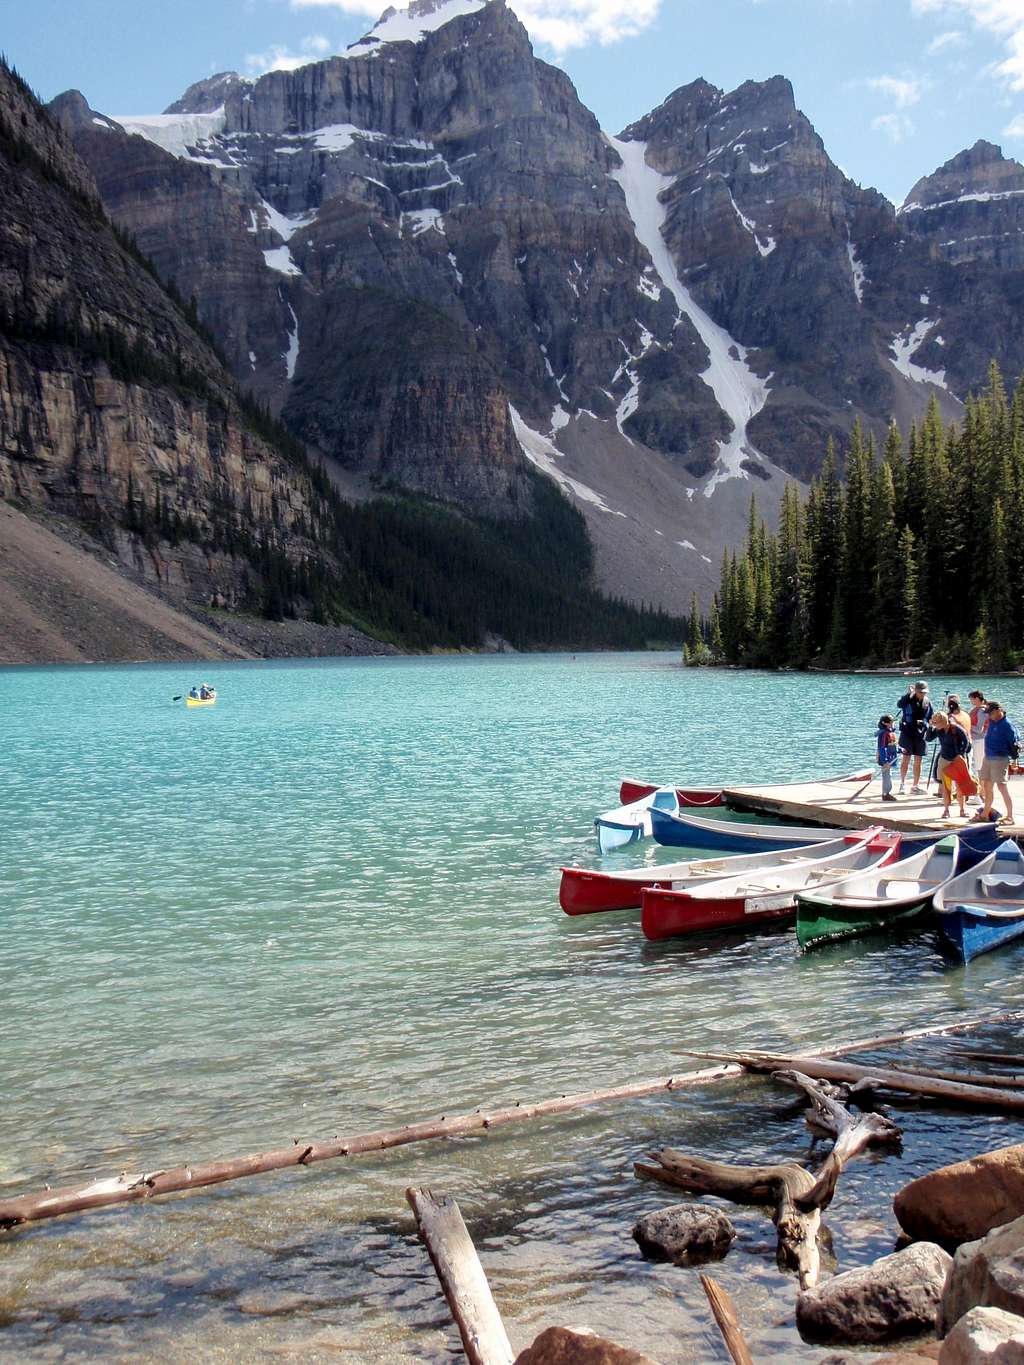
887,589
907,611
715,643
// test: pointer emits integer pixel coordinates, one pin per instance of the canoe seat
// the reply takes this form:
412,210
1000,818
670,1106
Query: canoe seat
999,885
815,874
896,889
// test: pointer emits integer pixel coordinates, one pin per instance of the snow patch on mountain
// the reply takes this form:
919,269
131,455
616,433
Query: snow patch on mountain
979,197
413,23
285,227
423,220
768,245
542,452
857,269
291,355
175,133
905,346
738,390
279,258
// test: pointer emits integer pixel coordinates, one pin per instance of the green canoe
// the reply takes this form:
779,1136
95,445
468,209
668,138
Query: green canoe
885,898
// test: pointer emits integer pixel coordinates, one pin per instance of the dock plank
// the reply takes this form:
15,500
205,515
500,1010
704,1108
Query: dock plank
835,804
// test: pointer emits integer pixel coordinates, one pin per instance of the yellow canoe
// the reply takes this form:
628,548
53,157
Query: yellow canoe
200,701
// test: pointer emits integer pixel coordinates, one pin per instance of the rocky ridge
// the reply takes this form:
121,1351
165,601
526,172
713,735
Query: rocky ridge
426,254
113,411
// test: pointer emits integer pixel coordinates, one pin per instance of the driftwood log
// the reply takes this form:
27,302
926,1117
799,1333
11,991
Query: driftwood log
728,1321
128,1188
867,1077
796,1195
981,1078
462,1277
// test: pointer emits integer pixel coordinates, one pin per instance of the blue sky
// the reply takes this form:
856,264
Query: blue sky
894,87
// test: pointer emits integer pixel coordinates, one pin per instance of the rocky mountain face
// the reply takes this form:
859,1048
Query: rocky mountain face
113,411
426,254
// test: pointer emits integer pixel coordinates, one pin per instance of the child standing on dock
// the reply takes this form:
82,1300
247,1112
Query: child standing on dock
886,753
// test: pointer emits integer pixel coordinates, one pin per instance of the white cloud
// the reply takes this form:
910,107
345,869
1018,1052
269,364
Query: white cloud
564,24
555,24
1015,128
373,9
278,58
902,90
896,127
943,42
1004,18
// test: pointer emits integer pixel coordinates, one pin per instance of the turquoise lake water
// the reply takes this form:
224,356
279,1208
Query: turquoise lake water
329,904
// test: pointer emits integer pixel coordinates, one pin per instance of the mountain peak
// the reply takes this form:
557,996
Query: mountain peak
977,173
413,22
74,113
207,96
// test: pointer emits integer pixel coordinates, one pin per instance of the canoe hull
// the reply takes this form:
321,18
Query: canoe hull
724,836
632,822
199,701
984,908
819,923
589,893
672,914
737,901
970,932
632,790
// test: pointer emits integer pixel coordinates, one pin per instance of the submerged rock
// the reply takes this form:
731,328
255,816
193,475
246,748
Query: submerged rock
685,1234
986,1273
963,1202
578,1346
985,1336
895,1297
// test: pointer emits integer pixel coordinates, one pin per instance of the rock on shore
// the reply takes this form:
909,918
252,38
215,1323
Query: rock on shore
963,1202
895,1297
986,1273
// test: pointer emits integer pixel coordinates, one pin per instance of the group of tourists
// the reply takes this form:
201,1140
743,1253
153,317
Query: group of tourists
204,692
975,749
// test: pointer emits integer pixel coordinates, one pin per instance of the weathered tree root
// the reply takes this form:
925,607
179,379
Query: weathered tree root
795,1195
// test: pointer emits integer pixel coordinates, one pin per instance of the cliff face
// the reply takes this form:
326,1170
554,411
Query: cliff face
112,410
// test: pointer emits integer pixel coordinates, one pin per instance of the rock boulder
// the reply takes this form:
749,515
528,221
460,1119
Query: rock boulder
576,1346
895,1297
685,1233
963,1202
986,1273
985,1336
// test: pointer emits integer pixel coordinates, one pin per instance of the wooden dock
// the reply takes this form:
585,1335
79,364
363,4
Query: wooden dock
837,804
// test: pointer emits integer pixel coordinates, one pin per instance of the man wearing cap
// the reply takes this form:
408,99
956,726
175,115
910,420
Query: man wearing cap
1001,744
915,712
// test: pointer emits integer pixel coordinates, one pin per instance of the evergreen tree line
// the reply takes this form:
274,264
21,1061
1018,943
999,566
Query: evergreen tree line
918,554
414,572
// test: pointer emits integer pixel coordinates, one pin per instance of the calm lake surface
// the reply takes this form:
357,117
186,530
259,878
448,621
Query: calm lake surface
328,905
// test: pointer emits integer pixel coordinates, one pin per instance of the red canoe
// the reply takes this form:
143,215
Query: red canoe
631,790
585,893
761,896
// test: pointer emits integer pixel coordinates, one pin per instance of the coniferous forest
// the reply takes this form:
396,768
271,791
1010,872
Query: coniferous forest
917,553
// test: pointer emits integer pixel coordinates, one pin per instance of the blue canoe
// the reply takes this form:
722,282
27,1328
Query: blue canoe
630,823
984,908
686,829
